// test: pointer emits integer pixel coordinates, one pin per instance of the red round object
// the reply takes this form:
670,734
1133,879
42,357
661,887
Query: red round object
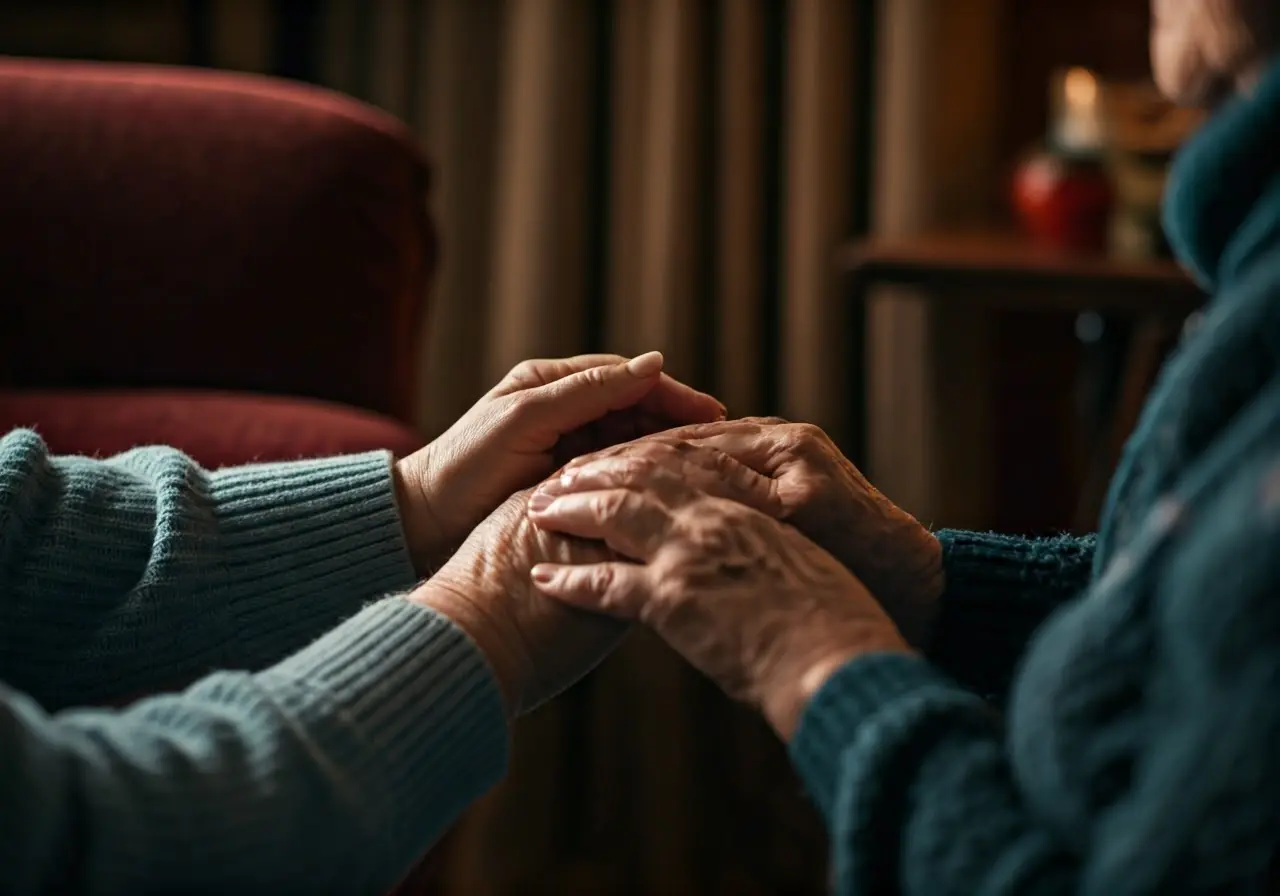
1063,203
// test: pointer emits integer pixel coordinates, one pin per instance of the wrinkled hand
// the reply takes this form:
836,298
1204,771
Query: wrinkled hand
543,413
802,478
746,599
536,646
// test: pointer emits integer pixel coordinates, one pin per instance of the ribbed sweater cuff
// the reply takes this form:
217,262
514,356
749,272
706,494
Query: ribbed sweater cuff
407,708
836,716
308,543
999,590
985,562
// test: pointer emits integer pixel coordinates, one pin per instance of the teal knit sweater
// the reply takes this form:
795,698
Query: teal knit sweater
1139,752
329,771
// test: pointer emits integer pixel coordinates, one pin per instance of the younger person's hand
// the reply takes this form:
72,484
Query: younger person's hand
543,413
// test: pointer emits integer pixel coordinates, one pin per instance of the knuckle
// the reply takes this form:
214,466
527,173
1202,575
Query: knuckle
520,408
669,591
600,580
610,506
659,448
706,525
596,456
722,462
644,469
808,433
806,489
524,372
596,376
806,439
650,463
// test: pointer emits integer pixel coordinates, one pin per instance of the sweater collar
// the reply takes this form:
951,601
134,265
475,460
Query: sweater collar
1222,202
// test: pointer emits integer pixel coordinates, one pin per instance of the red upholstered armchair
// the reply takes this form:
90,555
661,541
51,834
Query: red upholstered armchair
230,264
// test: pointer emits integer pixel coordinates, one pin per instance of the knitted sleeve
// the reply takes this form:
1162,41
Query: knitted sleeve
999,589
1140,751
330,772
144,571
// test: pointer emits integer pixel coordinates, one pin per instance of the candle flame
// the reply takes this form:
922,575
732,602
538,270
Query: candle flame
1079,87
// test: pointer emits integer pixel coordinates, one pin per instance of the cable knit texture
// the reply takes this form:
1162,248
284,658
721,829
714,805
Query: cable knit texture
1138,751
328,771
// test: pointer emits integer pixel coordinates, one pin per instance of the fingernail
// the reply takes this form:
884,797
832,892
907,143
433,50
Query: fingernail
542,575
648,364
539,501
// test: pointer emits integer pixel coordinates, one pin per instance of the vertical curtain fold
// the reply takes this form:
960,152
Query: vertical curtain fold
818,211
538,305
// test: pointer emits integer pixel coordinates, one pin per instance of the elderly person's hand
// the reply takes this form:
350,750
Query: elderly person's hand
535,646
746,599
795,473
543,413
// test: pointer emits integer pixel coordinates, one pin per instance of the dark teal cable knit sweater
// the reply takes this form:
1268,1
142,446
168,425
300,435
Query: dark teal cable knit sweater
1140,747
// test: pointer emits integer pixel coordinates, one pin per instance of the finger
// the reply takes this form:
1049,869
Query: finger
738,425
631,523
669,400
757,450
616,589
741,426
586,396
652,469
674,472
540,371
675,404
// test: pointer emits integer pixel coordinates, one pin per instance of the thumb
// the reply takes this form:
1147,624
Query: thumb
588,395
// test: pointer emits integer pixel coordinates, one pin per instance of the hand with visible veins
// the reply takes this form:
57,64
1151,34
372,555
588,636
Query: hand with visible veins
745,598
794,473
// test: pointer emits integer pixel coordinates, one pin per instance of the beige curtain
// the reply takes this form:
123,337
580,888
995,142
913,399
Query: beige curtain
940,88
622,176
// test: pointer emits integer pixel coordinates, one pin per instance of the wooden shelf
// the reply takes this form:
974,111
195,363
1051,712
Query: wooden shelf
1002,268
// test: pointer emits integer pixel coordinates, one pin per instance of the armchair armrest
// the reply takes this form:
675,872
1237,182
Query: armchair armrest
165,227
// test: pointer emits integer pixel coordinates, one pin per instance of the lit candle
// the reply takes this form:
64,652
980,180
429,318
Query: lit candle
1077,126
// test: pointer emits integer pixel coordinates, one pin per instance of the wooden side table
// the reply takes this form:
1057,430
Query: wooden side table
996,269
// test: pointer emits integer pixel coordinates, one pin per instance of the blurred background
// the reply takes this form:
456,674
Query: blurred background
929,226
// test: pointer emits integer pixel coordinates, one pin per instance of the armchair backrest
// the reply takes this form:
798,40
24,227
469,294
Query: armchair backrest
164,227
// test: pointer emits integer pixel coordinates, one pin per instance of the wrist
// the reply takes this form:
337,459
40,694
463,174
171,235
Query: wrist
920,619
794,684
464,605
429,545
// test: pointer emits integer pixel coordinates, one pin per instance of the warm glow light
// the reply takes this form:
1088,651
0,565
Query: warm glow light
1080,88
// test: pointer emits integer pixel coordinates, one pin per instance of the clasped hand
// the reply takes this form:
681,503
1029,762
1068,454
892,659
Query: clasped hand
768,609
464,517
752,546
